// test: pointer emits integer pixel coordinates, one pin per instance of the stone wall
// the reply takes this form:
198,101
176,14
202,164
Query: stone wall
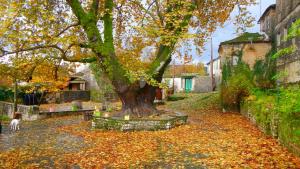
202,84
118,123
68,96
251,52
284,8
270,123
287,12
29,113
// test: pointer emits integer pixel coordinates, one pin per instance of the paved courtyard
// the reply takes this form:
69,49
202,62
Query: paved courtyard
212,140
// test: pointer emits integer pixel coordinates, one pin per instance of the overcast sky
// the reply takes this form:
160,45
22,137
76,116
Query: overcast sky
228,32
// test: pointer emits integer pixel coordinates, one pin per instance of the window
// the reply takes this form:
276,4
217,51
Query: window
278,39
235,60
268,22
285,33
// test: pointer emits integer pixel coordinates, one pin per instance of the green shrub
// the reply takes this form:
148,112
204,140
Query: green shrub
282,104
175,98
289,108
236,84
4,118
6,94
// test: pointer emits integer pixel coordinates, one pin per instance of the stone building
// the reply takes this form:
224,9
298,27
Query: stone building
253,46
189,82
268,20
76,83
86,73
287,12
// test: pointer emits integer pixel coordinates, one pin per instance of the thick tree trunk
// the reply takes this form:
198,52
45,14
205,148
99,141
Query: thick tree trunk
138,102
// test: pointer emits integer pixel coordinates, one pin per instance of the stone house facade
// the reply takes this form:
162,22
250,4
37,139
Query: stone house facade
287,12
252,45
190,82
268,20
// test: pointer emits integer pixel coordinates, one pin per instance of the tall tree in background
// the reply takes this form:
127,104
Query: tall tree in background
48,73
116,34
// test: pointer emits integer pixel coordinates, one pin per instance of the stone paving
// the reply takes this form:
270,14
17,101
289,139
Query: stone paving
39,136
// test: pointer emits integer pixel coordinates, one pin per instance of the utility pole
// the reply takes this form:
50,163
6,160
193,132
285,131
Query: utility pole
212,64
173,76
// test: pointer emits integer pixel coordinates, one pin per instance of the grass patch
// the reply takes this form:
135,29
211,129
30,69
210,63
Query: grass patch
175,98
195,101
4,118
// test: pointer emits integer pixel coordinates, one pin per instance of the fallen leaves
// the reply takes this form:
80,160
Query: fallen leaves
212,140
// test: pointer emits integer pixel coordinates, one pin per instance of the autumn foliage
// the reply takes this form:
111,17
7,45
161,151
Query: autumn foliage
128,40
212,140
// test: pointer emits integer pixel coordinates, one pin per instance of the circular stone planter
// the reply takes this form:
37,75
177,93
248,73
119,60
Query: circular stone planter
164,122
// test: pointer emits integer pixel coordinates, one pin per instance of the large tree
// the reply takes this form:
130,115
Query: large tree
130,40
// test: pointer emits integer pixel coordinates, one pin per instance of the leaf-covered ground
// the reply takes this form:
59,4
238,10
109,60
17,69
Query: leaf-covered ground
212,140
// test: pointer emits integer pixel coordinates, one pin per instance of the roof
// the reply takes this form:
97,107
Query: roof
266,11
189,74
76,79
178,70
246,38
215,59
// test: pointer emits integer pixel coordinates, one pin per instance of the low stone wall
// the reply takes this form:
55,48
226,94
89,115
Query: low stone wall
271,127
271,124
68,96
29,113
117,123
44,115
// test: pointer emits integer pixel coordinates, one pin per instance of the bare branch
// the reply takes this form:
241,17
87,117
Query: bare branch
4,52
62,51
145,10
159,13
65,58
68,27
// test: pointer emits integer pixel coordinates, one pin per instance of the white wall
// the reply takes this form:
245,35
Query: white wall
177,83
216,68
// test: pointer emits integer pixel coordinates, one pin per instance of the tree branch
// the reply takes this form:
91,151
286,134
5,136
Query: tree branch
62,51
89,23
163,57
26,49
146,10
161,18
77,10
105,52
64,30
108,24
95,7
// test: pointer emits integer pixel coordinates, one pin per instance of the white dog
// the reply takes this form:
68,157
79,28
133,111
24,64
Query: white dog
15,124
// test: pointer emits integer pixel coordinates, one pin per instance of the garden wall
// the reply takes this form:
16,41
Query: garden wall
202,84
68,96
271,122
29,113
